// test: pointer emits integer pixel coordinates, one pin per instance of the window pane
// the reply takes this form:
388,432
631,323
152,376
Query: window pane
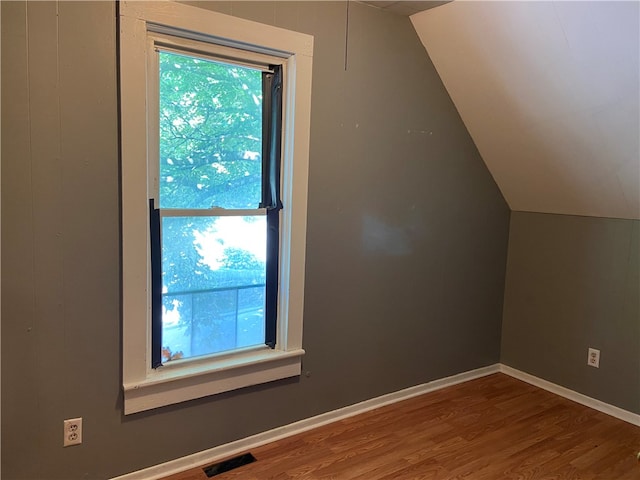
213,276
210,133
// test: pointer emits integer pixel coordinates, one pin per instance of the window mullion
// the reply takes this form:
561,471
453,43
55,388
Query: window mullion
212,212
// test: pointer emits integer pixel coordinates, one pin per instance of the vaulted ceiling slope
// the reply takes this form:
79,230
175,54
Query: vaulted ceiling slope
549,92
405,8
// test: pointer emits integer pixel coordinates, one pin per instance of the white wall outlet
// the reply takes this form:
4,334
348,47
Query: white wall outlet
593,360
72,432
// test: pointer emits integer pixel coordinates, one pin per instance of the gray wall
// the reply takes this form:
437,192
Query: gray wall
407,238
572,283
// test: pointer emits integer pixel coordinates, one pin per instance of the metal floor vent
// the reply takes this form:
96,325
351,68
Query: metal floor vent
232,463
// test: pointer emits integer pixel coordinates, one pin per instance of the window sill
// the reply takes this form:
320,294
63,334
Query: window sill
190,380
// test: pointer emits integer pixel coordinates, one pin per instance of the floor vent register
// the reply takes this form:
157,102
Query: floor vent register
231,464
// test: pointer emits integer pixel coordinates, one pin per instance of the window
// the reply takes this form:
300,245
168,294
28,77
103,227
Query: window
214,143
215,211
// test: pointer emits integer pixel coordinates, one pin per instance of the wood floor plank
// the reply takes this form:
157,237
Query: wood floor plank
493,428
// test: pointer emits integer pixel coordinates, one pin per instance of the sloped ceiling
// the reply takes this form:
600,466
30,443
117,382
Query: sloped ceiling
549,92
406,7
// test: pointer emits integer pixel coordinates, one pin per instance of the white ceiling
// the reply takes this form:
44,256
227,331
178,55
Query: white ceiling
549,92
405,8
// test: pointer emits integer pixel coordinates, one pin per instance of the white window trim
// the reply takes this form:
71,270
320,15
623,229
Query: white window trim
145,388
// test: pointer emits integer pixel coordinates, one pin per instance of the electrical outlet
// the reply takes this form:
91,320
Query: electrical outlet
593,360
72,432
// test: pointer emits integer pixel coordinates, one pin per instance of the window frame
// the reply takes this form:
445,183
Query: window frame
146,388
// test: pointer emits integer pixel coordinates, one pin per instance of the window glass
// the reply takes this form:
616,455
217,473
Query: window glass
210,133
213,284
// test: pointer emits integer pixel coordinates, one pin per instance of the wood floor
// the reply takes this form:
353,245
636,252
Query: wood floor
493,428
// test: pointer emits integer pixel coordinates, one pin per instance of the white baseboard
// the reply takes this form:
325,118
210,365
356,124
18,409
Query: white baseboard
240,446
603,407
243,445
